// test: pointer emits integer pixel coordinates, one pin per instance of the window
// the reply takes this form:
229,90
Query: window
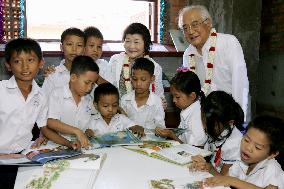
46,19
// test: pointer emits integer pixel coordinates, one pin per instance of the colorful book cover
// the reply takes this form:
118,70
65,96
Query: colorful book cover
150,134
120,138
33,157
44,155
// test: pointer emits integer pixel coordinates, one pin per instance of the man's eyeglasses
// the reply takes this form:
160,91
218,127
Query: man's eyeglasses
193,26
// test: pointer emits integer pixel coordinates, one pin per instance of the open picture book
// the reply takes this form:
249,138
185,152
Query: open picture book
189,182
76,172
179,154
150,134
33,157
120,138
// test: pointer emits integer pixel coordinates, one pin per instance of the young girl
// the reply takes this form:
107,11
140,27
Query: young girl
262,142
106,101
137,42
223,118
187,94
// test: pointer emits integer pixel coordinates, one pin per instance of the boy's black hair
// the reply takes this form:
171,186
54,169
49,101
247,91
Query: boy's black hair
72,31
82,64
220,108
187,82
105,89
144,64
22,44
273,128
138,28
92,31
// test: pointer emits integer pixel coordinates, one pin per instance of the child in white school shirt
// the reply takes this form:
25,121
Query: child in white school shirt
22,103
107,119
142,105
187,95
262,144
223,118
94,49
70,106
72,45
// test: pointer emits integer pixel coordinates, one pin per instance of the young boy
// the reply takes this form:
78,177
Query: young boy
107,119
70,106
94,49
72,45
141,105
22,104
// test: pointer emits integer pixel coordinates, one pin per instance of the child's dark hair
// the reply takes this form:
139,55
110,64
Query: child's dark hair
82,64
92,31
218,108
105,89
138,28
144,64
273,127
18,45
188,82
72,31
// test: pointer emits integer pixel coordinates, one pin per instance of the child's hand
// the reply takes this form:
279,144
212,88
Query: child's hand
137,130
41,140
164,103
199,164
121,111
167,133
75,145
218,181
89,133
49,70
85,143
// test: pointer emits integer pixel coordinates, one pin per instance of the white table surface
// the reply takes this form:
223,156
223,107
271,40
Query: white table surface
125,169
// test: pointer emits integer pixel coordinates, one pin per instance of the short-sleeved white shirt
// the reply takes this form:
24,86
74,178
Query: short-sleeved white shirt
119,122
59,78
104,68
18,116
230,148
62,106
265,173
190,119
116,63
229,72
150,115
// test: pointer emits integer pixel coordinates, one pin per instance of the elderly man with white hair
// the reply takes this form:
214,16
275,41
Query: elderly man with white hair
216,58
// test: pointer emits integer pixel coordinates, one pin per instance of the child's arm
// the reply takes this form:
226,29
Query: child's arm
61,127
199,164
232,182
167,133
58,139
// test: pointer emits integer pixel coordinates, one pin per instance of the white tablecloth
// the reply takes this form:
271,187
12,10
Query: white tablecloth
125,169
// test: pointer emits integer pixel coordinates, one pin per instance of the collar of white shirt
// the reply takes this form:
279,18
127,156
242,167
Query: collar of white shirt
131,98
188,111
61,68
68,94
12,84
258,167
